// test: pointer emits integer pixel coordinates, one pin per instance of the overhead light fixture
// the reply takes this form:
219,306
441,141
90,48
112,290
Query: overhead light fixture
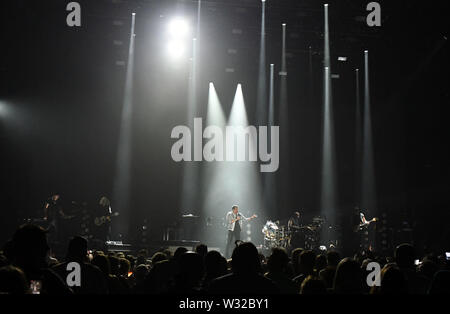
178,27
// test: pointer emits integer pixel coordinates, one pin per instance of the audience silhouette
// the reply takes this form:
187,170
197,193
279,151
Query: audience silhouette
26,266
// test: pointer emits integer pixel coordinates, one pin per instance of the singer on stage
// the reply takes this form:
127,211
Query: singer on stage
234,229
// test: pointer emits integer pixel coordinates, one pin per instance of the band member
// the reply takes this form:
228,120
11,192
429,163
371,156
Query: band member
53,213
294,221
102,219
367,236
297,237
234,225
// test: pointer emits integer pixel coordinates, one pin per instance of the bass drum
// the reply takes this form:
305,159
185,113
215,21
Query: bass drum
297,240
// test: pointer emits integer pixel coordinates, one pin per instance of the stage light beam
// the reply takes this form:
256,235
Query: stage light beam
284,175
122,178
328,199
261,97
230,182
176,49
368,187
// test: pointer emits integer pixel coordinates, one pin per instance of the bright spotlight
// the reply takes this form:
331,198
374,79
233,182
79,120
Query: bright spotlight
175,49
178,27
5,110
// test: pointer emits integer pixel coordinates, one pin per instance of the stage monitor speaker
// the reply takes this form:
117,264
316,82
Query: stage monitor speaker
118,246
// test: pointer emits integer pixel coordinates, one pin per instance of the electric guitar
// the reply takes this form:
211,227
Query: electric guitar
98,221
364,225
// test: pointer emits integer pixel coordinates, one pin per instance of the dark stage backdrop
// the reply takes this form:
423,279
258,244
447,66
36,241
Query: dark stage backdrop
62,95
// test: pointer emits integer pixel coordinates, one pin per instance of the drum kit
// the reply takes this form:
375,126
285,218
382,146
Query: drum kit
307,236
274,235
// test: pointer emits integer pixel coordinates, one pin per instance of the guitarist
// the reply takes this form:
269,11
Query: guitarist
367,236
294,222
53,214
102,213
297,238
234,226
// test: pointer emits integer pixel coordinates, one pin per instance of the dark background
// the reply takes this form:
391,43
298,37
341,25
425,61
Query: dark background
63,94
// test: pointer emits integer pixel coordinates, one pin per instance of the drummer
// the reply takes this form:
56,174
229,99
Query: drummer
269,229
294,221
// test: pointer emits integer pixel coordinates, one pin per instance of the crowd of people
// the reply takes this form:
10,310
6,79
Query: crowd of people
27,267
